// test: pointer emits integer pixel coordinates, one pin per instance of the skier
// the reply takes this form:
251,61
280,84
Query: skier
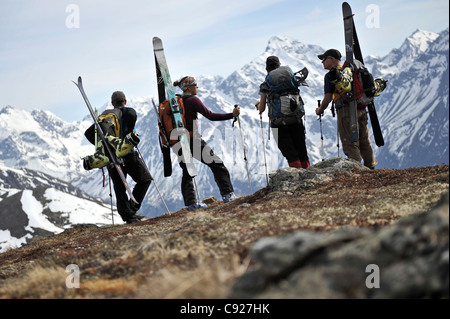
288,129
199,149
132,165
331,59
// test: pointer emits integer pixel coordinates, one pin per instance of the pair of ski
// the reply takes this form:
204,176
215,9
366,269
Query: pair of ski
165,85
352,48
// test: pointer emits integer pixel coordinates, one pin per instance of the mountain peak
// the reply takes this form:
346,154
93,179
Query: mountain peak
6,109
418,41
282,43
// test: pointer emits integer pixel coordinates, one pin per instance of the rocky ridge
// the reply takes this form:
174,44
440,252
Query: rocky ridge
322,226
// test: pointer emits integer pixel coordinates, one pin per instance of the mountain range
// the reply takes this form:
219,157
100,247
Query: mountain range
413,113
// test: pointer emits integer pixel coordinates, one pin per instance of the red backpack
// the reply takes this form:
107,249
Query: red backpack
364,84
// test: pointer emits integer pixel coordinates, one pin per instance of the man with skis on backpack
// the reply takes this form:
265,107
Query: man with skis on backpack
123,143
280,92
133,165
337,83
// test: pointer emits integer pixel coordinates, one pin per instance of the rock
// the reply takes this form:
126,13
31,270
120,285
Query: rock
210,200
409,259
293,179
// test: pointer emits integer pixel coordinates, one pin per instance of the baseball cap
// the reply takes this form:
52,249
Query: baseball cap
331,52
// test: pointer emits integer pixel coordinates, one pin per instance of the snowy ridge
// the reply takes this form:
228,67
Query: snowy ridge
36,204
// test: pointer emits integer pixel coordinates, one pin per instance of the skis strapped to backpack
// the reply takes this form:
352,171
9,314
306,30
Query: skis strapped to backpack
165,83
376,129
348,28
111,154
353,44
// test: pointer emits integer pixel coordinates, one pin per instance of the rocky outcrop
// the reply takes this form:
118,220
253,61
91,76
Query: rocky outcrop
409,259
291,179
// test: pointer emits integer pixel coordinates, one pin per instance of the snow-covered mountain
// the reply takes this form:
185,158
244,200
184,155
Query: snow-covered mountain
36,204
414,109
413,112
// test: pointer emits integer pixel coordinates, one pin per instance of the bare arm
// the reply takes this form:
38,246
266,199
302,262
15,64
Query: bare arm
262,104
326,100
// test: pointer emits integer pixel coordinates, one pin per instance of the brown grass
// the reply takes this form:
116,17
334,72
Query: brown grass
200,254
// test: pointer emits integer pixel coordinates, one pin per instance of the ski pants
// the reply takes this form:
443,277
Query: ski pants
363,147
205,155
135,167
291,142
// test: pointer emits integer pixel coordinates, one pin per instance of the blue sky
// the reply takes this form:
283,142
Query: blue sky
46,44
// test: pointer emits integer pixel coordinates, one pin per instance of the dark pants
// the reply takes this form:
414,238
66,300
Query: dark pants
205,154
291,142
134,167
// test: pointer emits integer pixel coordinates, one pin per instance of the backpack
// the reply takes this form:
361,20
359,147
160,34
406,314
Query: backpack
364,84
285,104
109,121
166,121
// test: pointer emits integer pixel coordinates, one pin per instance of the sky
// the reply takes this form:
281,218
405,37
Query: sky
47,44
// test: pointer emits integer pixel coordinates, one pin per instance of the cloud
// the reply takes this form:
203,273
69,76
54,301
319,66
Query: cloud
314,15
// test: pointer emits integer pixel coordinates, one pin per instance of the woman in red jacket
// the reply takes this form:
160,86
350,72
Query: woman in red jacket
193,105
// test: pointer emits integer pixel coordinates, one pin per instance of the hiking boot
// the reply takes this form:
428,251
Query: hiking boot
197,206
133,220
134,207
229,197
140,216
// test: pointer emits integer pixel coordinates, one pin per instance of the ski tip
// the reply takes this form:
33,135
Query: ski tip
157,44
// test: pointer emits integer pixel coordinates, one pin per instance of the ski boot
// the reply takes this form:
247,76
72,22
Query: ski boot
98,160
380,85
123,147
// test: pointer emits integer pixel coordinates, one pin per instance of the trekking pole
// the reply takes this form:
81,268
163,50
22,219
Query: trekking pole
264,147
243,148
103,172
110,199
333,112
196,190
321,133
154,182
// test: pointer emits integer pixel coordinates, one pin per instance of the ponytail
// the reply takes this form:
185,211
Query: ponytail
178,82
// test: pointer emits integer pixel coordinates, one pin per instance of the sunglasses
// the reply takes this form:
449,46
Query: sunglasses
325,58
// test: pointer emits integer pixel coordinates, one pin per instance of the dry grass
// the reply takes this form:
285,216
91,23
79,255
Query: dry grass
200,254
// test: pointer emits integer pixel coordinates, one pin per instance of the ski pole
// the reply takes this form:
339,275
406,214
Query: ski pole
103,172
333,112
110,199
264,147
243,148
262,136
154,182
196,190
321,133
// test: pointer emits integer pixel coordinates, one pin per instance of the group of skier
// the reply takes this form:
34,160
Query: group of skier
288,132
343,87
